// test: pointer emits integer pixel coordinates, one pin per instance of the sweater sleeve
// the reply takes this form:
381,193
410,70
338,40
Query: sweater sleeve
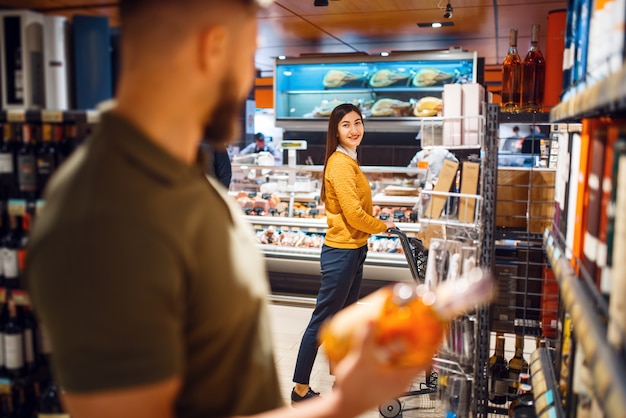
344,179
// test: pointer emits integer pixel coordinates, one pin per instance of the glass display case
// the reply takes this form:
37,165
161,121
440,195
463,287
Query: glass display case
394,91
289,222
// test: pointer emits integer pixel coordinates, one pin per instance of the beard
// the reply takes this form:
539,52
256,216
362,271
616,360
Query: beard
225,119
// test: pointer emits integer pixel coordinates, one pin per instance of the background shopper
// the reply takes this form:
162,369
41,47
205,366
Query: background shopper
260,145
142,270
348,203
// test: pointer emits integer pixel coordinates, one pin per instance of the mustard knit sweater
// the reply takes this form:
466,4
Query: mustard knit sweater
348,204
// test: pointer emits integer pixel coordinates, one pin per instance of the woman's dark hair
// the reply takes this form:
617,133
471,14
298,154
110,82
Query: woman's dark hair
332,136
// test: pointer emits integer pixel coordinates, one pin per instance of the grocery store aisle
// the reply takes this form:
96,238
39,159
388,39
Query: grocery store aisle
288,324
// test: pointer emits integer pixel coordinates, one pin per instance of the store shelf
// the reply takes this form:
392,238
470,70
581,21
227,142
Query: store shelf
545,386
525,117
606,365
49,116
604,97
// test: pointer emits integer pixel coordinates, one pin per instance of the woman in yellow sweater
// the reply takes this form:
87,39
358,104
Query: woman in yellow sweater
347,198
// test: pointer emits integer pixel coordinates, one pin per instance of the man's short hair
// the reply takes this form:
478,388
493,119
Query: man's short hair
259,136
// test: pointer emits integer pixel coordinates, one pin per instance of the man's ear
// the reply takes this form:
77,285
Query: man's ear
213,47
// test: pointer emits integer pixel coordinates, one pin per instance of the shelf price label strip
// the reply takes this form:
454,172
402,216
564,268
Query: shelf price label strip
607,367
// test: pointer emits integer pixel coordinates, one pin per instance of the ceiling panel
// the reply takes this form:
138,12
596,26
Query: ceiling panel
294,27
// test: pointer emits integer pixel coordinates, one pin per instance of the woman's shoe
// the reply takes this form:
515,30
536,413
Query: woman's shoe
295,398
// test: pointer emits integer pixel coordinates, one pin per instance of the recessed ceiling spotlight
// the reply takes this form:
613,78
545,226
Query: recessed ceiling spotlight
281,57
384,54
435,24
320,3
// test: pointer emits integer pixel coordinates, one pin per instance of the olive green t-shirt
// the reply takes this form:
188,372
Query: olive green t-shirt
141,269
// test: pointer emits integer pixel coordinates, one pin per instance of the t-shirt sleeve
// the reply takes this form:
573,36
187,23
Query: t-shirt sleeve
110,297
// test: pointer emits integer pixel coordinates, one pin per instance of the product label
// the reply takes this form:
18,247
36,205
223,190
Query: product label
29,348
1,349
6,163
44,340
45,165
9,263
27,176
501,387
13,355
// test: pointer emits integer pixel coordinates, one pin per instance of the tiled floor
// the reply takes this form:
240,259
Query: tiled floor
288,324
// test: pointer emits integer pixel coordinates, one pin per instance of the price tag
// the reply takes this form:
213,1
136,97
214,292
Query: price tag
16,207
20,297
16,115
38,206
295,228
52,116
93,116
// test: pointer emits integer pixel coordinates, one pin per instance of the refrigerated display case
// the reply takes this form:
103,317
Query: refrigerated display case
393,92
289,220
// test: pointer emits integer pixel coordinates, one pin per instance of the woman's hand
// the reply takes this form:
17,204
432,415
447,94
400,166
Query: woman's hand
389,223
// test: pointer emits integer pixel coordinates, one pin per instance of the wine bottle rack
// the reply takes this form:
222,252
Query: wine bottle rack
606,365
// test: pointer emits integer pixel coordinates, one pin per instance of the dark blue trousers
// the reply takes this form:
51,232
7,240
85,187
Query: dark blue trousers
342,274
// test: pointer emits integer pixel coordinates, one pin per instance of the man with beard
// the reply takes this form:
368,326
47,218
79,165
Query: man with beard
142,270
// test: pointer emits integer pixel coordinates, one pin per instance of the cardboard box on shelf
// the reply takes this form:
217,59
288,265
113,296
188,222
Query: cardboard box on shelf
525,198
452,108
473,98
469,185
447,175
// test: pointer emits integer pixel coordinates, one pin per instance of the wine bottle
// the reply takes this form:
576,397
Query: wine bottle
533,75
395,309
27,165
9,250
517,365
22,239
13,341
50,403
511,77
523,398
6,406
46,155
498,373
30,332
18,74
7,165
66,141
3,318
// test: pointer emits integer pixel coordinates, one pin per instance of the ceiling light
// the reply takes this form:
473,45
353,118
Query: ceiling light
322,3
282,57
435,24
448,13
384,54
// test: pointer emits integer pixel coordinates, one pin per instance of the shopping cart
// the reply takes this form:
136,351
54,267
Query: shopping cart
424,397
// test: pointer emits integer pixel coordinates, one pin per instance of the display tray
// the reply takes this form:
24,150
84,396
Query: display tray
382,199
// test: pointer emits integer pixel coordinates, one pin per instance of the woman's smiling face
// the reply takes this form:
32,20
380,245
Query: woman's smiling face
350,131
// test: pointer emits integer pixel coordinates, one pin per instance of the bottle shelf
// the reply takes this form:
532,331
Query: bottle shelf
525,117
606,365
606,96
49,116
545,386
